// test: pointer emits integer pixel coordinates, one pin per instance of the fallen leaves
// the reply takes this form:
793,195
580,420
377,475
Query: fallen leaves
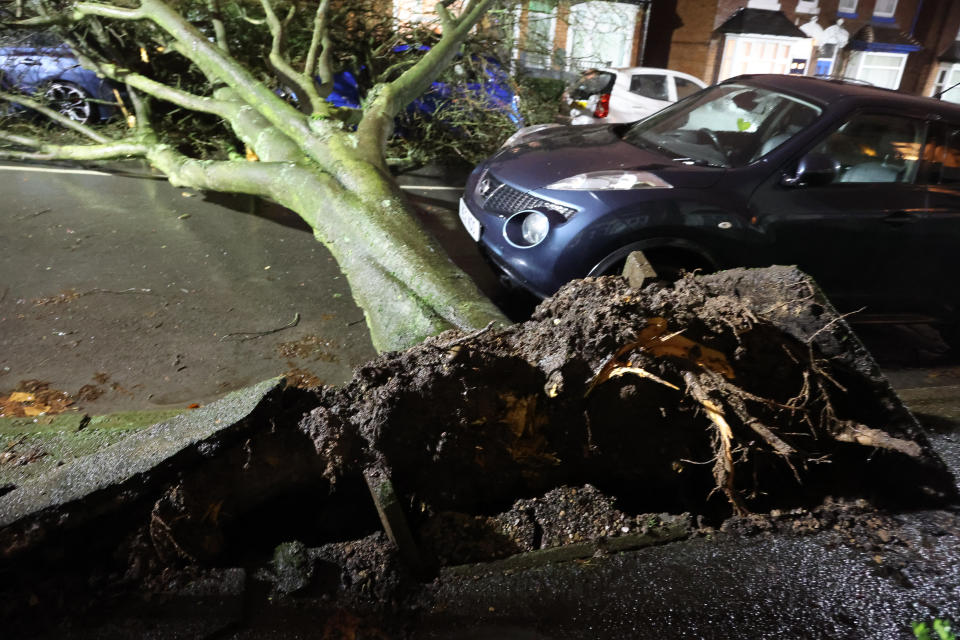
34,398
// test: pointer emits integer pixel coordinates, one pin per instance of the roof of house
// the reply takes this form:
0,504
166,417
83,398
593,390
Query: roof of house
761,22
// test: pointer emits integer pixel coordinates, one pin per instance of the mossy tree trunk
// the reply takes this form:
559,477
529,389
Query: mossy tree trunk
332,175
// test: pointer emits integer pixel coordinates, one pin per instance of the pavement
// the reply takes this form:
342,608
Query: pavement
126,293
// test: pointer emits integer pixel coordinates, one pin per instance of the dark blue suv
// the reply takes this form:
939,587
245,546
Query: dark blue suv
858,186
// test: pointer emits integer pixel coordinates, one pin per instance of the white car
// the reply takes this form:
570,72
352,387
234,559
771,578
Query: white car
624,95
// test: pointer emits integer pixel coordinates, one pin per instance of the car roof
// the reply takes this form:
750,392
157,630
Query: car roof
828,91
652,70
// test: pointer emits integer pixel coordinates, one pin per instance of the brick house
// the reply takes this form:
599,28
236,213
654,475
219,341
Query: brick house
909,45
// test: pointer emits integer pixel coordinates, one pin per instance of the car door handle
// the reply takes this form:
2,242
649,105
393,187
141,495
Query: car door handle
899,217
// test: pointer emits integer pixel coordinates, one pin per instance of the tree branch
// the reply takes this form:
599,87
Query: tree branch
377,124
107,11
236,176
214,62
320,65
55,116
305,86
46,152
219,29
167,93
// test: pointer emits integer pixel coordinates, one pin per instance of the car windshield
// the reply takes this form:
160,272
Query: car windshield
729,125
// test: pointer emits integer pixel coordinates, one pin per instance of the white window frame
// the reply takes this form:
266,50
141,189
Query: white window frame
769,5
808,6
847,6
573,64
947,75
735,47
527,57
885,14
860,58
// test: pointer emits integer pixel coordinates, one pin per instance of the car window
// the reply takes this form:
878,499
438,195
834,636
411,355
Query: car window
876,148
724,126
649,86
685,87
941,157
591,83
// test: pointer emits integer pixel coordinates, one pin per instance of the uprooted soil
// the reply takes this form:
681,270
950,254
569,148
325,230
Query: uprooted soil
742,389
613,417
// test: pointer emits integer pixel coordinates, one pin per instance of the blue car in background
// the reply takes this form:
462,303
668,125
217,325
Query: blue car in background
485,82
494,91
52,73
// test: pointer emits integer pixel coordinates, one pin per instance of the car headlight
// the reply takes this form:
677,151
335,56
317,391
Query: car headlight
534,228
611,181
528,228
524,134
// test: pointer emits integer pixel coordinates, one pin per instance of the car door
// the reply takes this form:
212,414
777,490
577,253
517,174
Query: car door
637,94
856,234
932,248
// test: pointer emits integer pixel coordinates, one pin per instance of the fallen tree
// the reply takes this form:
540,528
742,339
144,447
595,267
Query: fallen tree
600,422
324,163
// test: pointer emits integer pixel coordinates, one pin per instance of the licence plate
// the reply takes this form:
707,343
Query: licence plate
469,221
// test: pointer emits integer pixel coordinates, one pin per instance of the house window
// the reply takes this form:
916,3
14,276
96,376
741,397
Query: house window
948,79
847,7
759,54
770,5
538,41
601,33
885,8
879,69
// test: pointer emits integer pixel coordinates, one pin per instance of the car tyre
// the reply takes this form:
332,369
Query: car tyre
71,101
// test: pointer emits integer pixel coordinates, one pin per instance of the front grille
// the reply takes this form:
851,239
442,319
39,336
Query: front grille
503,199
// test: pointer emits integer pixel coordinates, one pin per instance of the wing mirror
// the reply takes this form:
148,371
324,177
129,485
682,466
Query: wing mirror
813,170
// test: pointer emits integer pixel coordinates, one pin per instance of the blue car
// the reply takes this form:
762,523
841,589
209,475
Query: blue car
490,86
54,75
858,186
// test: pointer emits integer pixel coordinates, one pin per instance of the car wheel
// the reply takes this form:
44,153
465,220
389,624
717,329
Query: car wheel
71,101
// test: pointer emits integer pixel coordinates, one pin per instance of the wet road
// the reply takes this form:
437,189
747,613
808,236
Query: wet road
140,290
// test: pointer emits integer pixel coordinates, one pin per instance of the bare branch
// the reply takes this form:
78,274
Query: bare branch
54,116
305,85
167,93
377,123
237,176
46,152
216,64
219,28
315,64
107,11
